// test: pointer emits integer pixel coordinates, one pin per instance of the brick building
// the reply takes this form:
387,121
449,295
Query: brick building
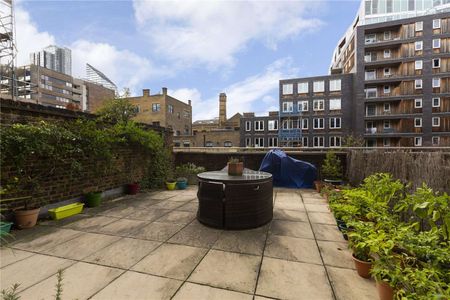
259,131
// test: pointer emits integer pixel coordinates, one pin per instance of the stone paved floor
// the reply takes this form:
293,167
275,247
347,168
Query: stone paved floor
150,246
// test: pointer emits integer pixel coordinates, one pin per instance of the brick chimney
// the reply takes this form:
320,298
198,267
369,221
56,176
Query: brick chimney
190,102
146,92
222,109
164,91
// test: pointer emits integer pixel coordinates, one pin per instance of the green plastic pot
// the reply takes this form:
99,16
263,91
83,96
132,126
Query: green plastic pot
5,228
93,199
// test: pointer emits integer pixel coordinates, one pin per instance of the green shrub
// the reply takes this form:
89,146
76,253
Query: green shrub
332,168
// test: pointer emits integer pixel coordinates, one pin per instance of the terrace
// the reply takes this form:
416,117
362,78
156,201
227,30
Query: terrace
151,246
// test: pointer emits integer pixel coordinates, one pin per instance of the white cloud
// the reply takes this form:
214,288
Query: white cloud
254,93
213,32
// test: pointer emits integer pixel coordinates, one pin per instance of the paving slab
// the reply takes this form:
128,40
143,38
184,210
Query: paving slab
202,292
348,285
168,204
82,246
119,211
336,254
132,285
314,200
290,204
190,206
317,207
158,231
243,241
196,235
289,248
170,260
322,218
31,270
90,223
293,229
164,195
148,214
290,215
10,255
185,197
80,281
44,238
325,232
293,280
178,216
123,227
123,253
228,270
287,195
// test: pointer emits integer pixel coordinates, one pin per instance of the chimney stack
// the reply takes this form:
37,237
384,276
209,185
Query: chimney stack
190,102
164,91
222,109
146,92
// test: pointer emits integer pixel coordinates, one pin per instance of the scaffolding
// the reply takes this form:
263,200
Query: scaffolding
8,84
290,132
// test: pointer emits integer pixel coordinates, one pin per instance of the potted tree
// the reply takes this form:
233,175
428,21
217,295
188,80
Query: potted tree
332,169
235,167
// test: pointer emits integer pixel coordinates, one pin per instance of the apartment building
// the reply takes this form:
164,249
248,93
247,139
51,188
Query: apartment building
164,110
55,58
259,131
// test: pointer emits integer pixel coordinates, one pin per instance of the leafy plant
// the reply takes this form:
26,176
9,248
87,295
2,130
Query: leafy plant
188,169
234,160
332,168
59,284
118,110
11,293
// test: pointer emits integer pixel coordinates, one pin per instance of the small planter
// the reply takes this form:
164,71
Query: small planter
93,199
5,228
385,291
171,185
181,185
343,228
362,267
133,188
66,211
26,218
235,169
318,185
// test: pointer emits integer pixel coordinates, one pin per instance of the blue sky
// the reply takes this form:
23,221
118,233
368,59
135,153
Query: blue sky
195,48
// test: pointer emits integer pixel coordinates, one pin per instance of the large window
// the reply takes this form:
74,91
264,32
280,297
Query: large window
319,86
418,84
304,123
288,106
170,108
288,89
418,103
273,124
209,144
417,122
418,64
436,62
273,142
436,82
305,141
418,45
319,123
318,141
259,142
371,92
436,23
302,106
419,26
259,125
436,43
156,107
436,102
417,141
303,87
435,140
227,144
335,85
436,121
335,141
248,142
318,105
335,104
335,123
248,125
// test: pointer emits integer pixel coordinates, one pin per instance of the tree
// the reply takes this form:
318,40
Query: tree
119,110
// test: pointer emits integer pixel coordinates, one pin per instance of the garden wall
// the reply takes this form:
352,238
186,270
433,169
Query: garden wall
64,184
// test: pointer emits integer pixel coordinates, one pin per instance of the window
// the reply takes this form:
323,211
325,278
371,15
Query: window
417,122
288,89
227,144
387,35
436,23
319,86
335,141
386,89
186,114
419,45
273,142
248,142
156,107
386,142
318,141
387,124
387,53
417,141
259,142
288,107
170,108
248,125
305,141
368,57
370,75
318,105
335,123
436,82
387,107
436,121
418,64
417,103
436,102
418,84
178,115
370,38
435,140
436,43
335,104
302,106
288,124
319,123
209,144
302,87
304,123
419,26
371,92
371,110
273,124
335,85
436,62
387,71
259,125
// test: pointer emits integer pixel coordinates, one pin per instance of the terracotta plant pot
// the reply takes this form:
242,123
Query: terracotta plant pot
26,218
235,169
385,291
133,188
318,185
362,267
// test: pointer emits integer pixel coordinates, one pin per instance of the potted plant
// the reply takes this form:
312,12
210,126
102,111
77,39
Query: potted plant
359,243
235,167
181,183
189,171
383,271
171,184
332,169
93,199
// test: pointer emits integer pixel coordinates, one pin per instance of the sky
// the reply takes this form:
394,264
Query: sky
197,49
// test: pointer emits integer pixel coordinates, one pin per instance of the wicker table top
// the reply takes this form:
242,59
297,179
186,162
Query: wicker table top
247,177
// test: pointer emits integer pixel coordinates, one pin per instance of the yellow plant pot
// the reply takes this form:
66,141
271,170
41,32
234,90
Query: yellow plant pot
66,211
171,185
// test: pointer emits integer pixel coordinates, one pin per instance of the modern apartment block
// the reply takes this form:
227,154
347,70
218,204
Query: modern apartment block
259,131
96,76
55,58
163,110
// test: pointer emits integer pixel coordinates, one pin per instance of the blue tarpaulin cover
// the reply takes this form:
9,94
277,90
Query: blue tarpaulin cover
287,171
